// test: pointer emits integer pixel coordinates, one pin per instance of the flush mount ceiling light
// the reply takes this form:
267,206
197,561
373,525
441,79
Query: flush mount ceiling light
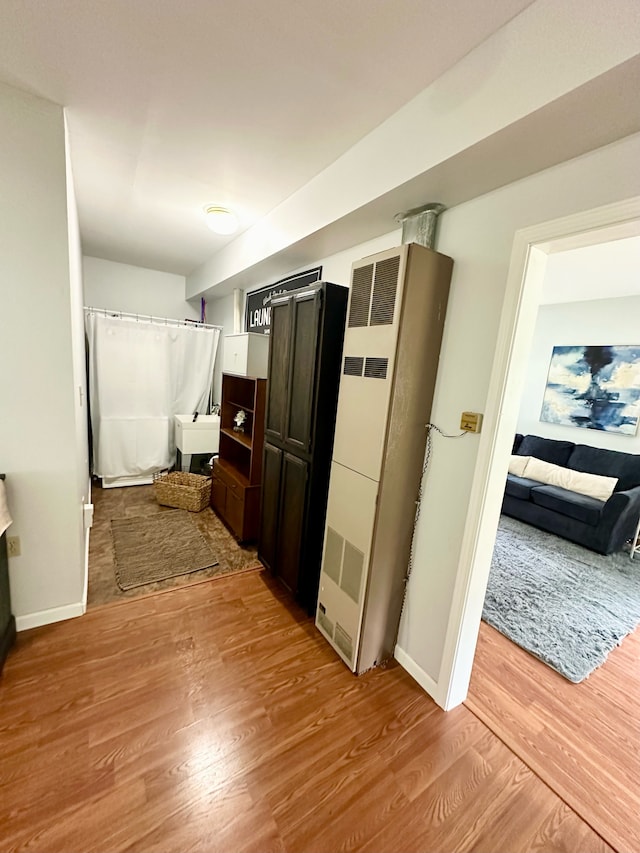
221,219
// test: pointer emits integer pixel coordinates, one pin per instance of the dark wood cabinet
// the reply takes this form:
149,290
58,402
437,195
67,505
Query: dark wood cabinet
237,472
276,403
293,488
270,504
305,354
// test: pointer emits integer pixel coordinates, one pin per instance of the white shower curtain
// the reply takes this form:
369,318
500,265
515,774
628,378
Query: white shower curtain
141,374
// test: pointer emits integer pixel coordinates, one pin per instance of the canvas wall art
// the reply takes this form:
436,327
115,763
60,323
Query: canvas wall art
594,388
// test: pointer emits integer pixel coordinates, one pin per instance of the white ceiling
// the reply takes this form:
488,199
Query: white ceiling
173,105
602,271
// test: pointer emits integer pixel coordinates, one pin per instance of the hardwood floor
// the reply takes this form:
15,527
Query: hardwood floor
215,717
582,739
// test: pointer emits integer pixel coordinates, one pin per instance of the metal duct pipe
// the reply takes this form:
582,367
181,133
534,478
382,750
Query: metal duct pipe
237,310
419,225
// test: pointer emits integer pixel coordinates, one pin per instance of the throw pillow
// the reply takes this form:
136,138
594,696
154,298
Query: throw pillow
592,485
518,464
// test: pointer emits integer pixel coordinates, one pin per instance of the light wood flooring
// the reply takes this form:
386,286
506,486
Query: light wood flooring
214,717
582,739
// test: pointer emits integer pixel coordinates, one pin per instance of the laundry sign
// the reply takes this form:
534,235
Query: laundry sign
258,306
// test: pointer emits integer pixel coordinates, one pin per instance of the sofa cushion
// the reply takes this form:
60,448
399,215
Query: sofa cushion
517,441
520,487
547,449
609,463
592,485
580,507
517,464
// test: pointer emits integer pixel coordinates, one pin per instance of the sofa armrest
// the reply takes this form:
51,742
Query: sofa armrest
620,518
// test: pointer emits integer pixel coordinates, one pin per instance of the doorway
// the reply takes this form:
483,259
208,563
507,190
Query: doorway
530,251
560,730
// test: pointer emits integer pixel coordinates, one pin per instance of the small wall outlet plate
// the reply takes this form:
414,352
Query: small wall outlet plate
13,546
471,421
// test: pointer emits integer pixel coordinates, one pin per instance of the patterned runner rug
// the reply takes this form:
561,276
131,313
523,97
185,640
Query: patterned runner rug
155,547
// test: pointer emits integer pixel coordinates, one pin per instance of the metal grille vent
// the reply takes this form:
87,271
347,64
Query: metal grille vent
326,624
376,368
352,567
385,287
333,555
343,641
353,365
360,296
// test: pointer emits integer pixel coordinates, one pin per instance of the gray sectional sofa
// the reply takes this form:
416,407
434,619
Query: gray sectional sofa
602,526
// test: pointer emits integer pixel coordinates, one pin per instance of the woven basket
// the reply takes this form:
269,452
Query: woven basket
184,491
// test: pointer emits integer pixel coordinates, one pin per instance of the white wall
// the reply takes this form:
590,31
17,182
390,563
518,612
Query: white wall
611,268
79,353
595,322
220,313
135,290
37,427
479,236
335,268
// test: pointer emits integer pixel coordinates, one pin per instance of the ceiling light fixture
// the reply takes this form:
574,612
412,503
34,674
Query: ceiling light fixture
221,219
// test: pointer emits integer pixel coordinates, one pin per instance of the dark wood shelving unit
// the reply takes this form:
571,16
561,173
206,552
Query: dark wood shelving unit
237,472
240,437
240,406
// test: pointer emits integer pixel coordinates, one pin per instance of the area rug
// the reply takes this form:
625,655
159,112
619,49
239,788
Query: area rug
568,606
150,548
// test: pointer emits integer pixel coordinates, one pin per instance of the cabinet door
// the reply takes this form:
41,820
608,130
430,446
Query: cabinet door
303,357
278,368
292,514
270,503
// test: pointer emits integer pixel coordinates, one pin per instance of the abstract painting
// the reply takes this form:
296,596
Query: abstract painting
594,388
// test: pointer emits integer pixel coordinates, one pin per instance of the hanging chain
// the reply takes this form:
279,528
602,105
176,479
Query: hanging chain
427,457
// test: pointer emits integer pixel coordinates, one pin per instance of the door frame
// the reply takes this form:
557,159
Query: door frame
531,247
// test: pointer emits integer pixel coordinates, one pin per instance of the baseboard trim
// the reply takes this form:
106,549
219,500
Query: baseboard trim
85,583
424,679
47,617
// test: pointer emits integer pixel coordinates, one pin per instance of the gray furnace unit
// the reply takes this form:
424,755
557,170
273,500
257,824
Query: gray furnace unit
396,314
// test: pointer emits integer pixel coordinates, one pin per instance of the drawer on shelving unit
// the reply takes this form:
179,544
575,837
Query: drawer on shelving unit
218,494
234,512
230,477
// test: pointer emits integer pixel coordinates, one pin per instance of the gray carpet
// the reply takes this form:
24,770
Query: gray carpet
563,603
151,548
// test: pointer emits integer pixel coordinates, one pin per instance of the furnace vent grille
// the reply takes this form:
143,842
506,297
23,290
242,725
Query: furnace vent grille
326,624
360,296
353,365
376,368
344,642
352,567
332,563
384,291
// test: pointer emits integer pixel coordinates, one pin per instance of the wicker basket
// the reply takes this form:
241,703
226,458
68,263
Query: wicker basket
184,491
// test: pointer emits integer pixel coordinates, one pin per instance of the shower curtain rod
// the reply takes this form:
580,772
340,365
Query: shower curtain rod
162,321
